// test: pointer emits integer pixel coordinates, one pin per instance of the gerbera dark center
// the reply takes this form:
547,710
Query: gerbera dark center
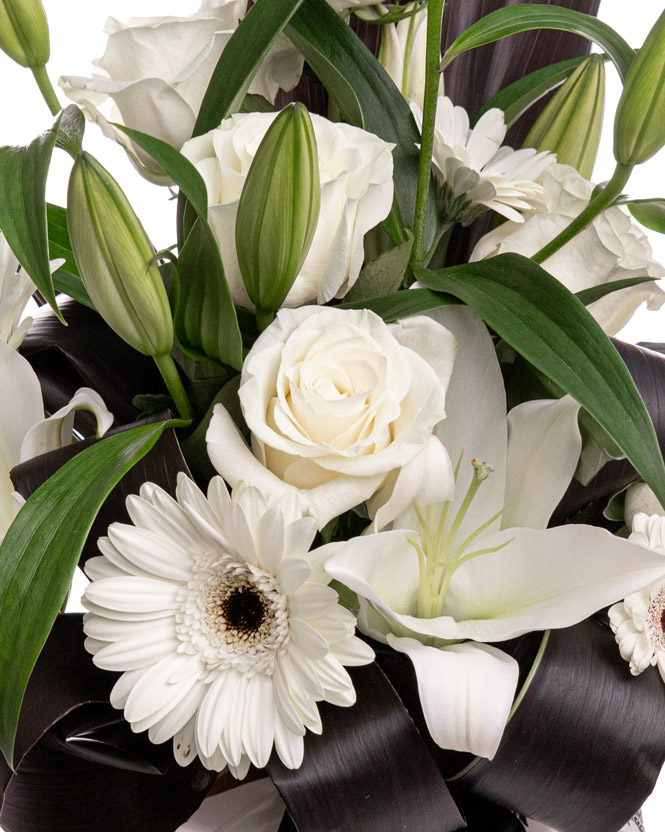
244,610
662,621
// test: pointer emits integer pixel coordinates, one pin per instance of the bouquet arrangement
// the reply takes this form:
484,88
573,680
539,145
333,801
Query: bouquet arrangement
369,500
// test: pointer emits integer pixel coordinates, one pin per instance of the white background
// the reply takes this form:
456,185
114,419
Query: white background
77,38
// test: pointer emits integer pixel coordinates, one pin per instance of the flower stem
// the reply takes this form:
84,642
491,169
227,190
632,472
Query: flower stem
166,366
46,88
597,205
433,56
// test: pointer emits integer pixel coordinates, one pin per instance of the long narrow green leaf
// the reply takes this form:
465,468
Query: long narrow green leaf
648,212
527,16
550,327
366,97
40,551
205,316
587,296
66,279
517,97
403,304
23,172
241,59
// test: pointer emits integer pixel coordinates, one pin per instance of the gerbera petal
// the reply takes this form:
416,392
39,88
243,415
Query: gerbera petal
184,744
290,747
292,574
153,691
313,601
270,539
353,652
214,711
154,553
258,732
132,594
140,650
175,720
466,692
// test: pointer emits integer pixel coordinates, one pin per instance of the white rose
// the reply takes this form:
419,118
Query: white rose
355,171
335,401
155,71
611,248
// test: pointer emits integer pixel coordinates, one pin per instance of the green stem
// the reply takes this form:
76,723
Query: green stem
264,319
166,366
433,56
604,199
46,89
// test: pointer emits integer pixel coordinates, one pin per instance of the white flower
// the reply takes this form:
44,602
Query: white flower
24,432
638,621
355,172
476,171
482,567
336,400
222,623
612,248
402,55
16,288
155,71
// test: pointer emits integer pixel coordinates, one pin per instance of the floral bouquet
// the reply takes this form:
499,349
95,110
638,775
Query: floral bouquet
369,502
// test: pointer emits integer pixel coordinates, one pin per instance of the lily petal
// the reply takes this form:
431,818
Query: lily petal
544,445
466,692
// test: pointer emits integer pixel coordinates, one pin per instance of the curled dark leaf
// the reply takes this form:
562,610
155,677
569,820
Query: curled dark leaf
131,784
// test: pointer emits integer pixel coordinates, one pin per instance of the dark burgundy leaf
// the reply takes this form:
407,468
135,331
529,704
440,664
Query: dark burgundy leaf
369,769
647,368
87,353
161,466
130,785
585,747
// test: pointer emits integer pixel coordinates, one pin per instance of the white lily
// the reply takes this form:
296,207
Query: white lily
483,567
24,432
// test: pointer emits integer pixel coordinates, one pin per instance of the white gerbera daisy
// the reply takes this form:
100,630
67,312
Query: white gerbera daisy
222,623
477,172
638,621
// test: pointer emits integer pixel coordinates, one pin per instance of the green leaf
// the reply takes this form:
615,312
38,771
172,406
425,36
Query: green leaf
23,172
178,168
648,212
527,16
203,299
241,59
382,276
367,98
550,327
206,324
517,97
40,551
403,304
58,237
587,296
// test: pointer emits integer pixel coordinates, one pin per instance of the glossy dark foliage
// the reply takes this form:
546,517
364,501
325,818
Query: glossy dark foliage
646,364
368,770
161,465
80,767
585,747
87,353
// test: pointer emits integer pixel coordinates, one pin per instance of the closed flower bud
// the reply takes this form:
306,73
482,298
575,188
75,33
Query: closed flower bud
114,258
639,126
24,32
570,124
279,209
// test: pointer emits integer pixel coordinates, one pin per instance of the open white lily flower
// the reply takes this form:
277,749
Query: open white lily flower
482,567
638,621
222,622
476,172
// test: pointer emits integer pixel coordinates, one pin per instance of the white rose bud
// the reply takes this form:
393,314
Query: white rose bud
355,176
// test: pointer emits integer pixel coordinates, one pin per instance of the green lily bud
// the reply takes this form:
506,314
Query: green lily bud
24,32
570,123
114,258
278,209
639,125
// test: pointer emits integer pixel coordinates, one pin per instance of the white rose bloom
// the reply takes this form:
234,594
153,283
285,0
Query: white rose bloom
336,400
355,172
612,248
638,622
222,623
476,172
402,55
155,71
